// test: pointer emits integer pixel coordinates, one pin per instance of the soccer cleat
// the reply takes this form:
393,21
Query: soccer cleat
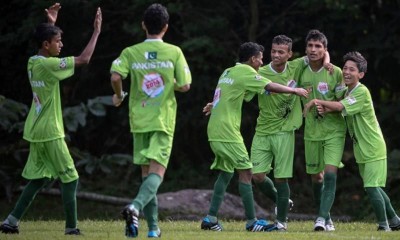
319,224
395,227
384,229
130,215
329,226
291,204
9,229
154,234
277,226
76,231
258,226
206,224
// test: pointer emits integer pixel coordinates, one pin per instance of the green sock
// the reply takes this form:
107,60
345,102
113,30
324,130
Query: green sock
151,213
390,212
26,198
68,193
220,186
328,194
147,191
317,192
283,200
378,204
267,188
246,193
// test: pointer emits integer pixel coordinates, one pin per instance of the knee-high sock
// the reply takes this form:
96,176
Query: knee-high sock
267,188
246,193
147,191
26,198
328,194
283,200
378,204
220,186
151,213
68,193
390,212
317,188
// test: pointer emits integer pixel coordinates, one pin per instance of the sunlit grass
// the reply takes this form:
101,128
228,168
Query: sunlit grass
176,230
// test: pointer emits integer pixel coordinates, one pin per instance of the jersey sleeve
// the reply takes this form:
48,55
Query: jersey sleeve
354,103
121,64
60,68
182,71
256,83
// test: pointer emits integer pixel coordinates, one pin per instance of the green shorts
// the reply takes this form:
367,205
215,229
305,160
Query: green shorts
373,173
321,153
50,160
155,146
277,148
230,156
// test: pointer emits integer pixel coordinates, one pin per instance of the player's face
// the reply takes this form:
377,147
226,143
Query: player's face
54,47
256,61
315,50
280,54
351,74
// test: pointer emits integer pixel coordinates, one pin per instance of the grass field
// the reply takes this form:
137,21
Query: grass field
186,230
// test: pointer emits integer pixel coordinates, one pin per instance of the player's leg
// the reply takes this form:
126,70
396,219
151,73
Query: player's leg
393,218
261,157
150,212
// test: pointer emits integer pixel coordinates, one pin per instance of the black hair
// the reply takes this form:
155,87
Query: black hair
283,40
155,18
248,50
316,35
45,32
356,57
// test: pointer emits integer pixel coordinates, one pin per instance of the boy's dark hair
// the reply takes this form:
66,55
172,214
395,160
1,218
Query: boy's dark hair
356,57
45,32
248,50
283,40
155,18
316,35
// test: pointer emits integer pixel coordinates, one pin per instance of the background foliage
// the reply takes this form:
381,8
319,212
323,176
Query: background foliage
209,33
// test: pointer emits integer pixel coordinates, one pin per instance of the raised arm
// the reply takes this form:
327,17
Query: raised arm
52,13
87,53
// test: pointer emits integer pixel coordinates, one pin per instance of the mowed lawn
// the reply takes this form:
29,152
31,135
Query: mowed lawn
188,230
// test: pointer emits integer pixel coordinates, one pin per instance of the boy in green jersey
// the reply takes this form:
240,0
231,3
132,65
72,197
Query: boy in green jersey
368,142
235,85
49,156
324,136
156,69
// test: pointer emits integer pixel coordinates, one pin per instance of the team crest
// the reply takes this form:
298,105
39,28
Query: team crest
323,88
150,55
117,62
351,100
63,63
292,83
257,77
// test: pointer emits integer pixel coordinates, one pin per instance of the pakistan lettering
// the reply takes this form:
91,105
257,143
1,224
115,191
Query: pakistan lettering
37,84
153,65
226,80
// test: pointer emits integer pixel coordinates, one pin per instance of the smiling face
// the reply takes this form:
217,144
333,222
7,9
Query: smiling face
315,50
351,74
280,54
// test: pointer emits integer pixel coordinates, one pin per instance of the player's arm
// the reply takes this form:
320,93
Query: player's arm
116,84
278,88
328,106
207,108
183,88
52,13
87,53
327,63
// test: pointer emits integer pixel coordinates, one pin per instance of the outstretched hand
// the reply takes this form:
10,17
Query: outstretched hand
98,20
52,13
301,92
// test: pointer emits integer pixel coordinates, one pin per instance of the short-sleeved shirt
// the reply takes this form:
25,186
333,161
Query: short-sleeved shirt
364,129
233,86
154,67
324,86
280,112
44,121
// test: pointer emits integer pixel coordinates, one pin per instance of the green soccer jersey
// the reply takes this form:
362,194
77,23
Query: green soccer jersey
324,86
369,144
234,84
154,67
280,112
44,121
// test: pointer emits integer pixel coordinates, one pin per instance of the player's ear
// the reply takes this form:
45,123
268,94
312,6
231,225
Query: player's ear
290,54
144,26
165,28
361,75
46,44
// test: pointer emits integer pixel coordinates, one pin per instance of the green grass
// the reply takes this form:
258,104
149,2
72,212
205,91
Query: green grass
176,230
